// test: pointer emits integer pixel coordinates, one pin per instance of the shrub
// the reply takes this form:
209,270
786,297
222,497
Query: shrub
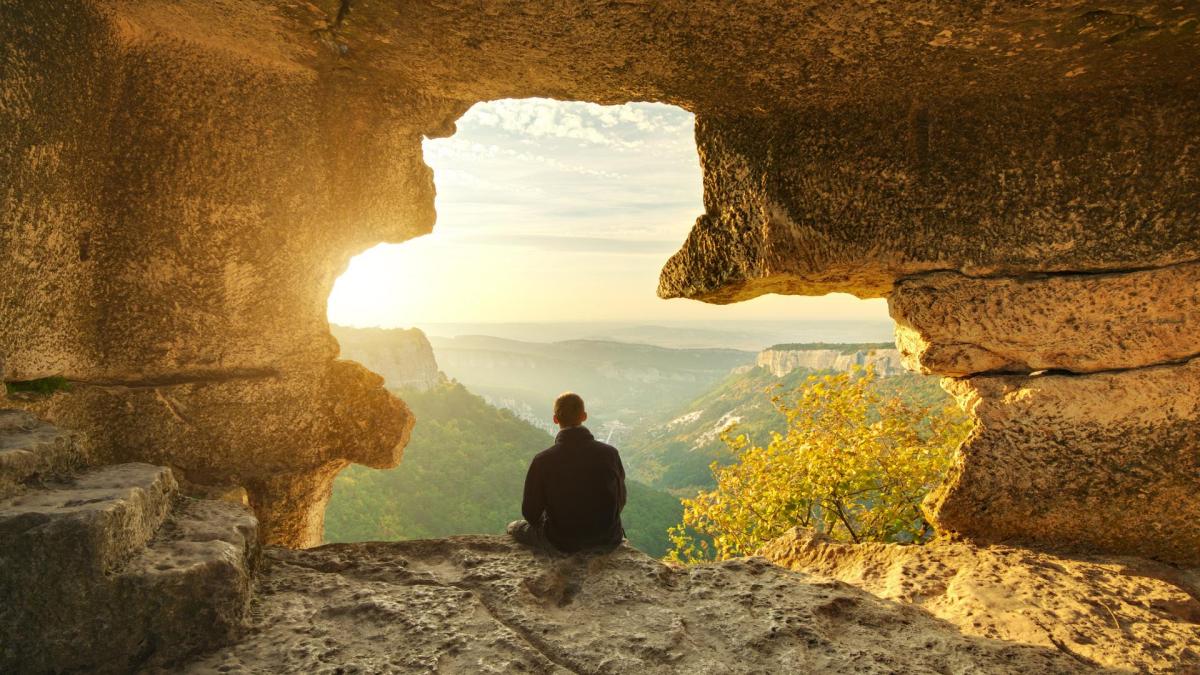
41,387
854,464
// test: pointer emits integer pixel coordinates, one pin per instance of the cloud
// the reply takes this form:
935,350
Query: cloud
628,127
455,148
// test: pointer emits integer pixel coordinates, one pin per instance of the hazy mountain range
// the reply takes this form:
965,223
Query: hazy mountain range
665,409
743,335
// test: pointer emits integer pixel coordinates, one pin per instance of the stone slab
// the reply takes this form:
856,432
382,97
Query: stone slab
1106,461
31,448
952,324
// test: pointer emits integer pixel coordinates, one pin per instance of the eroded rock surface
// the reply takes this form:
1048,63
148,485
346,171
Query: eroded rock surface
485,604
1109,461
181,181
283,437
110,568
1128,614
951,324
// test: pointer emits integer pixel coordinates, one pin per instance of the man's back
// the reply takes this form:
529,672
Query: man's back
579,484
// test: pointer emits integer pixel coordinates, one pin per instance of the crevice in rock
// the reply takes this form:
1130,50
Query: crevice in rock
1071,373
528,637
1031,276
535,642
343,10
184,378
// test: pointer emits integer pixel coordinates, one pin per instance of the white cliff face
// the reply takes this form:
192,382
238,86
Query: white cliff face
780,362
403,357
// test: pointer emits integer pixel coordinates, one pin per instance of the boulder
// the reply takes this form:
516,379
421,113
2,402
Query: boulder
1104,461
952,324
111,570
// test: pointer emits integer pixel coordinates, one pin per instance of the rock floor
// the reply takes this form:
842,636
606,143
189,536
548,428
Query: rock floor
481,604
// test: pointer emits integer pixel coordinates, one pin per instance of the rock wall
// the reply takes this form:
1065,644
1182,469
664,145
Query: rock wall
181,181
404,358
1086,401
783,361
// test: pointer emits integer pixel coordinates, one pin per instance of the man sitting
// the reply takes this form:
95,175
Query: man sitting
575,489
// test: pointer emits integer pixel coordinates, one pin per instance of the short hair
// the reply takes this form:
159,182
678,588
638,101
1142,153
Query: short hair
568,409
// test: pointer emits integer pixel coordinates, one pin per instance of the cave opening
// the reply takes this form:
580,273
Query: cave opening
554,219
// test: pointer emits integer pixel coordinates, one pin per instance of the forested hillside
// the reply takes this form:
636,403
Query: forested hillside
462,473
675,454
624,384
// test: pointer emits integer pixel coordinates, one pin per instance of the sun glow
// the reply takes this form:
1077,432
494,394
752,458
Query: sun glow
554,211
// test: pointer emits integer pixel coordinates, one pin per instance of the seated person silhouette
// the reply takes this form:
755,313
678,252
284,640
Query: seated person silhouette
575,489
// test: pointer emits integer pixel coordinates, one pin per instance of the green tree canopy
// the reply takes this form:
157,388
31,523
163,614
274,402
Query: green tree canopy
855,463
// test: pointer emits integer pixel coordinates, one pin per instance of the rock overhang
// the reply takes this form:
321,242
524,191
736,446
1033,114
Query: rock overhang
186,179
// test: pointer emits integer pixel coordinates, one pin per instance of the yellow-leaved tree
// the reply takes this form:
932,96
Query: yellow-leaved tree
854,464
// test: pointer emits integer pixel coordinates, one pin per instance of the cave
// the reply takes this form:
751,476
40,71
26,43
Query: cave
182,182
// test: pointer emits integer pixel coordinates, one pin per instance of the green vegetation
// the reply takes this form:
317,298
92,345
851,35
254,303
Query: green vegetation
42,387
627,383
855,462
674,453
463,473
840,347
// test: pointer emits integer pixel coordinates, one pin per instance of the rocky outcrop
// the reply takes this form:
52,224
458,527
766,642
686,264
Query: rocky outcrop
181,181
1093,438
207,430
782,360
31,449
404,358
1107,461
472,604
110,568
1124,614
951,324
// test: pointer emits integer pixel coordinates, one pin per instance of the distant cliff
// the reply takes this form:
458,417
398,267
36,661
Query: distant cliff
783,359
403,357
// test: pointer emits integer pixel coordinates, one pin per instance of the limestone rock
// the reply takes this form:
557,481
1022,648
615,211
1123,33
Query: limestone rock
229,431
111,570
1126,614
404,358
32,449
950,324
1105,461
181,181
485,604
782,360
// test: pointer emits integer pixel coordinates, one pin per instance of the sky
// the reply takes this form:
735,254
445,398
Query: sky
555,211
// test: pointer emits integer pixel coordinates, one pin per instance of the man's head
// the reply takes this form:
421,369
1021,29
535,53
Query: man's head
568,410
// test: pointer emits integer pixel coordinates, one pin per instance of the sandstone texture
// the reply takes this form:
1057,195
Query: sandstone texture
1124,614
950,324
32,450
110,568
245,431
1106,461
485,604
181,181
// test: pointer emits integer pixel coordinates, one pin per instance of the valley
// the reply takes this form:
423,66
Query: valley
483,408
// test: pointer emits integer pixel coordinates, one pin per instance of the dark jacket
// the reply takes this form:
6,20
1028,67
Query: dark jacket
578,486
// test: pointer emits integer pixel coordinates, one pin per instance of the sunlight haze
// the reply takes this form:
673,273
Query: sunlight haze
555,211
